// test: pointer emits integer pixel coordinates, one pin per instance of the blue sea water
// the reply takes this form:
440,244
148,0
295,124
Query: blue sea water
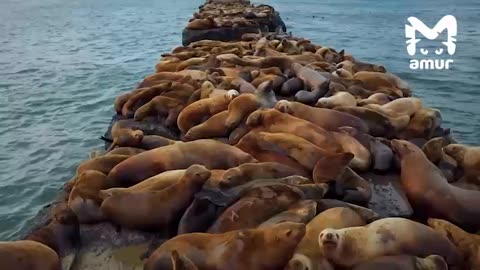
62,63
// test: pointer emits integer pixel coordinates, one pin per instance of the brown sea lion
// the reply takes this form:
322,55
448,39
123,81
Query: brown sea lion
433,148
160,106
201,24
272,120
28,255
267,248
389,236
84,199
256,206
214,127
430,193
195,113
379,125
362,156
351,187
181,262
242,106
143,97
210,153
404,262
299,212
378,80
305,153
155,141
103,164
123,134
308,255
317,83
467,243
327,119
155,209
161,77
252,171
357,66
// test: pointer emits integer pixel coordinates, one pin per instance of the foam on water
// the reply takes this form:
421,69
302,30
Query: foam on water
62,63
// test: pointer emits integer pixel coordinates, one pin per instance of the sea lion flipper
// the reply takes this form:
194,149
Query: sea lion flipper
181,262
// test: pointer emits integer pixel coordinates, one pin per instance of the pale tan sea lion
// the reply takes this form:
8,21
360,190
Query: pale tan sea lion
125,135
377,98
267,248
389,236
467,157
155,209
338,99
378,80
467,243
430,193
398,107
308,254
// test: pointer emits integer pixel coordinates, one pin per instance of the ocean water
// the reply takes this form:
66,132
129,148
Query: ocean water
62,63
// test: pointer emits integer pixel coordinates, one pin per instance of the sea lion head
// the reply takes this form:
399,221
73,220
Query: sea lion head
137,136
197,174
231,177
456,151
346,65
432,262
343,73
324,103
284,106
231,94
403,148
330,242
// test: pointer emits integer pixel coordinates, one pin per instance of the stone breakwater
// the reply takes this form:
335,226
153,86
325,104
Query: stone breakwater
281,153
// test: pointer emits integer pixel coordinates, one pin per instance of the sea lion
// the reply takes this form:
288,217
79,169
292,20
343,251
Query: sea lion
467,243
271,120
299,212
378,80
160,106
103,164
194,113
404,262
210,153
367,214
467,157
256,206
305,153
252,171
362,156
381,154
199,216
423,124
351,187
123,134
313,80
201,24
356,66
377,98
143,97
157,182
28,255
228,251
155,209
430,193
249,144
208,90
84,199
433,149
291,86
325,118
379,125
212,128
342,73
275,80
401,106
308,255
389,236
160,77
338,99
